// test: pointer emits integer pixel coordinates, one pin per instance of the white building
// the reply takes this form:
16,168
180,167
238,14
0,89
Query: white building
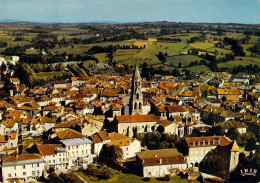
54,155
78,148
158,163
23,167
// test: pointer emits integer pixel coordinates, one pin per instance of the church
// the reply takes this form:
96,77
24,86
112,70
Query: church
138,120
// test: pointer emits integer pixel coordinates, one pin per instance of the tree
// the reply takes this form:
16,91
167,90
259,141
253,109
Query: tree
3,67
60,67
116,152
50,68
216,130
233,133
53,177
111,152
175,72
144,72
247,139
11,67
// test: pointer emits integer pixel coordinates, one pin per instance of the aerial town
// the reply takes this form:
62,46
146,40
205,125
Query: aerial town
161,127
135,102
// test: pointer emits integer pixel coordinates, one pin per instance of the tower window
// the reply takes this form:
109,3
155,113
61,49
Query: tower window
140,105
137,96
135,106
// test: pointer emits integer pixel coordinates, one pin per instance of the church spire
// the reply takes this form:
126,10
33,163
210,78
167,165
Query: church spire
136,99
137,72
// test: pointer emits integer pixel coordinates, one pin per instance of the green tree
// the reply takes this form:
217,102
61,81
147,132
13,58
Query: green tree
50,68
144,72
60,67
233,133
216,130
247,139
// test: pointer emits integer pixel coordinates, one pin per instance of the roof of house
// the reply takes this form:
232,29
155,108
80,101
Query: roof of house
235,146
100,137
176,108
47,149
208,141
69,134
230,124
21,157
160,157
137,118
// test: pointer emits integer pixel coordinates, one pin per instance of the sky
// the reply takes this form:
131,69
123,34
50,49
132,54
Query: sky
122,11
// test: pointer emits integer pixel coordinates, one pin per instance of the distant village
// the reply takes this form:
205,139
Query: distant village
165,126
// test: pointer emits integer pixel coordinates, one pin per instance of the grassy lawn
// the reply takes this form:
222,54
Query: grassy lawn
129,178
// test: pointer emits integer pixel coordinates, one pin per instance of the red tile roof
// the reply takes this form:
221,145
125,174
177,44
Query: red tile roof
47,149
137,118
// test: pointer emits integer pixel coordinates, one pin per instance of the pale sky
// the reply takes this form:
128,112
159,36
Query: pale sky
75,11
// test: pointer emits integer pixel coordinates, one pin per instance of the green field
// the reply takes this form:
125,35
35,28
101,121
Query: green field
202,45
241,61
184,59
198,69
177,52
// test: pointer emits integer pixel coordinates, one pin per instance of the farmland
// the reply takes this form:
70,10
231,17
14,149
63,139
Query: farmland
117,45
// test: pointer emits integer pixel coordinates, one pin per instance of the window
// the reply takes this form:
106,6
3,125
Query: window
33,172
49,161
24,173
140,105
32,165
63,159
15,167
53,161
60,159
38,165
38,172
53,155
9,175
23,166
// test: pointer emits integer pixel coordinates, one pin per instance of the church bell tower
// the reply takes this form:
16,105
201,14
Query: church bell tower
136,99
